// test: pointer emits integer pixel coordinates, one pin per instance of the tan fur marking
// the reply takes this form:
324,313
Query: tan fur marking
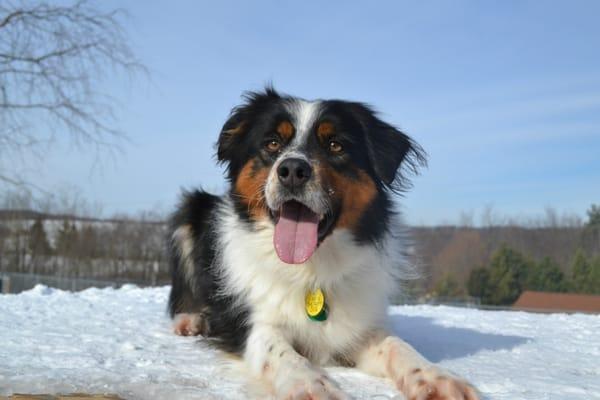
184,240
249,187
285,130
237,130
355,195
325,130
432,394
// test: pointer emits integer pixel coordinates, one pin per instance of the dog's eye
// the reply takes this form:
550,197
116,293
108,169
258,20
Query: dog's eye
335,147
273,145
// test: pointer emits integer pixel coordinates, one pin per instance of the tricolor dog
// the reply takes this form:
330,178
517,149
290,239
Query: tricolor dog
292,269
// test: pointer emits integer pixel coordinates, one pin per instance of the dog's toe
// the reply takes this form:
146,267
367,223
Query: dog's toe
434,384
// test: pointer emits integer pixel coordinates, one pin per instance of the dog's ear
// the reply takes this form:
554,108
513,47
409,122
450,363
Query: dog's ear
240,121
392,153
231,134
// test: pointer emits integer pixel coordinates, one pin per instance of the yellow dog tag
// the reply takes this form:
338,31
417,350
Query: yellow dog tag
316,309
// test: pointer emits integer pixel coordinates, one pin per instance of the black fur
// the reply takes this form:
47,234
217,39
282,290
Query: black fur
226,319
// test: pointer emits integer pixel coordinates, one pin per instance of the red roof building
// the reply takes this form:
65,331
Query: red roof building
557,302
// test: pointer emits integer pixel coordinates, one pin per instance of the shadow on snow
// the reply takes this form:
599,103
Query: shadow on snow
438,343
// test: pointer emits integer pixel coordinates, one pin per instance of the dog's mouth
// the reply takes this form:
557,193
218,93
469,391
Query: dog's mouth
298,231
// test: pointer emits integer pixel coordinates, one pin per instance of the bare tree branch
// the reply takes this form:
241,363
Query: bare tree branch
54,60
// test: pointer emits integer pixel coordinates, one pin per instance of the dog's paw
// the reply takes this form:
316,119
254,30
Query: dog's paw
190,324
314,386
434,384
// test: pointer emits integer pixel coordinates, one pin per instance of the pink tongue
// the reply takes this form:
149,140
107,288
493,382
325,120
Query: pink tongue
295,236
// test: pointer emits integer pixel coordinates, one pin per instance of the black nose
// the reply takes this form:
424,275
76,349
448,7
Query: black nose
294,173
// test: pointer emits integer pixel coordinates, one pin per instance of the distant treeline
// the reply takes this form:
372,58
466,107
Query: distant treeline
495,264
127,249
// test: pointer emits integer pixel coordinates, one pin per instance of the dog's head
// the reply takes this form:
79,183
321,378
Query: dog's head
311,167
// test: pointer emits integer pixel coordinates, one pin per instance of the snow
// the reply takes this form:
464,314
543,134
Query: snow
120,341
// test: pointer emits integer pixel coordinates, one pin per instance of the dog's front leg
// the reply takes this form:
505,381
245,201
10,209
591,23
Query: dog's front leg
418,379
291,376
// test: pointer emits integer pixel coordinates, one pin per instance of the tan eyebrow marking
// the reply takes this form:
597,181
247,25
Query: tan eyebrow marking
285,130
325,130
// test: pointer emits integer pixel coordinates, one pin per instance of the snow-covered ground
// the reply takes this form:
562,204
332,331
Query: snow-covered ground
120,341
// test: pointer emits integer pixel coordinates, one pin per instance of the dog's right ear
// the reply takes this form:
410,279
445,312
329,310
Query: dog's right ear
231,134
240,122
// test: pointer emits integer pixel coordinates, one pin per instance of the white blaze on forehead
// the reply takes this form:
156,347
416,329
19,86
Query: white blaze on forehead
304,114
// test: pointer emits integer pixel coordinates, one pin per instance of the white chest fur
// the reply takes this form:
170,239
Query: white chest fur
357,281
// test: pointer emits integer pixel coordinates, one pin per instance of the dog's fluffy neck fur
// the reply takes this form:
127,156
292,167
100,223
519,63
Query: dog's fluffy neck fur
357,279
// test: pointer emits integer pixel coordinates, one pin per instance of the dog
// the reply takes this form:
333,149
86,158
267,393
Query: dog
292,269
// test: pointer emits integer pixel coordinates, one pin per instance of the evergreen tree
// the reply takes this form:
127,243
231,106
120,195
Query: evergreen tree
88,242
448,286
585,276
546,276
593,216
67,239
478,284
594,280
581,268
590,236
38,240
509,271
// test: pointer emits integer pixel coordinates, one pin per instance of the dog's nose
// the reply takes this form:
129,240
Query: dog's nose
293,173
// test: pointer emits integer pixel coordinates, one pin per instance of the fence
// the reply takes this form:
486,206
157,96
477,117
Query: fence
13,282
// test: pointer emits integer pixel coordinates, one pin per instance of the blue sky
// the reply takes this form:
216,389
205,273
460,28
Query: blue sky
504,96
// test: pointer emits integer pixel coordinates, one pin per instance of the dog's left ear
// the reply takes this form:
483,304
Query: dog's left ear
392,153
